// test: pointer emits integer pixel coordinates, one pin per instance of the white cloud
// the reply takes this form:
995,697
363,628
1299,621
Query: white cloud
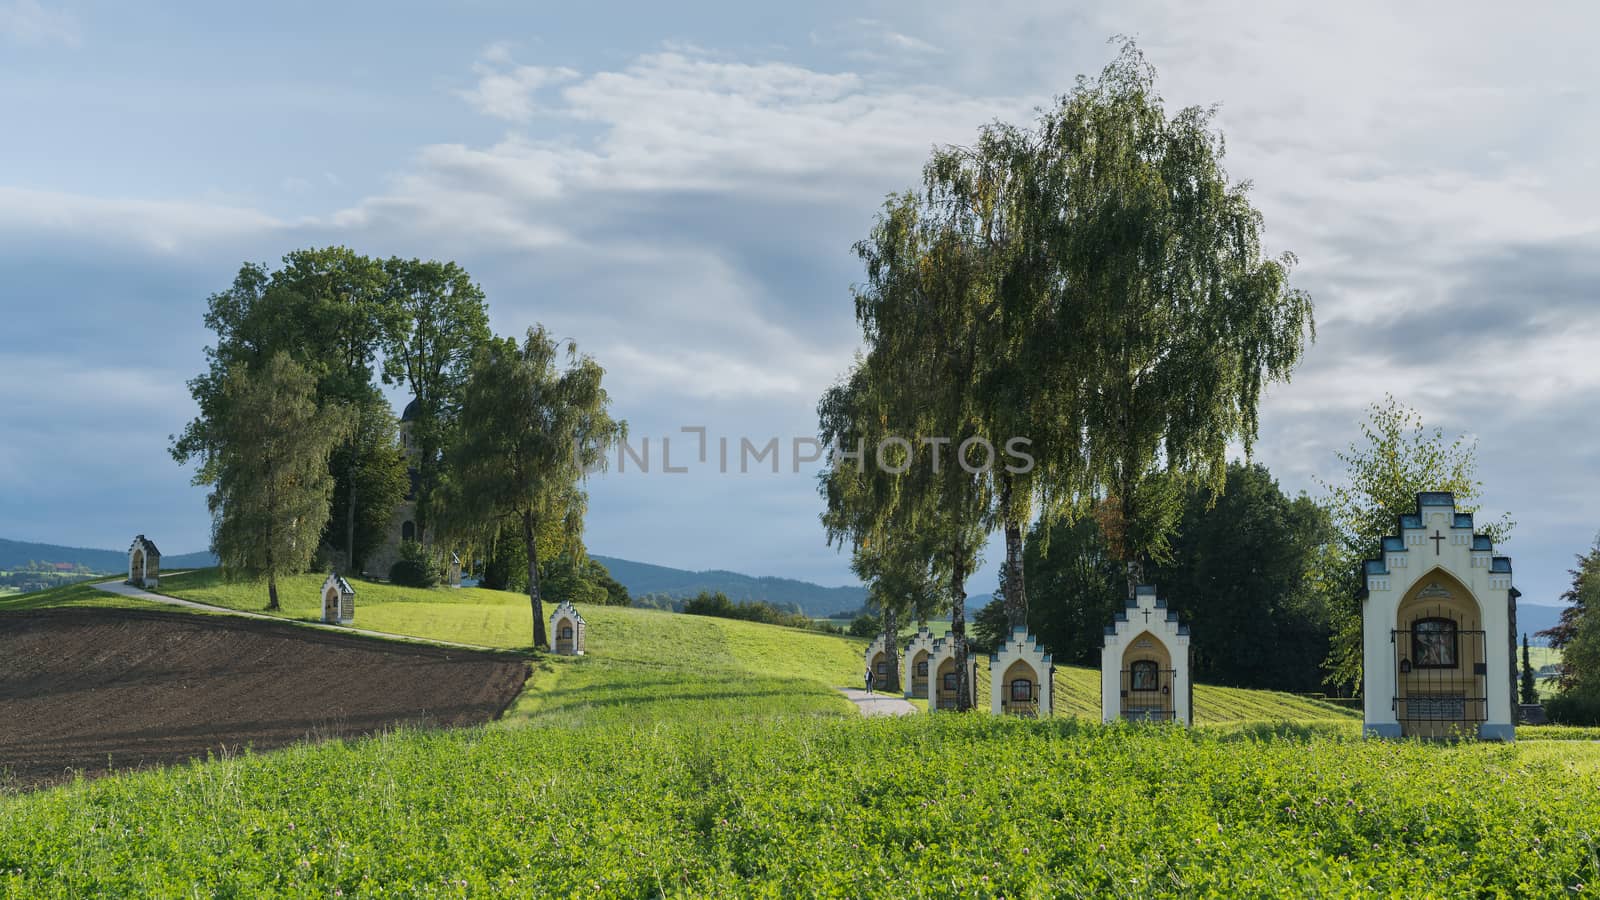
27,22
505,89
165,226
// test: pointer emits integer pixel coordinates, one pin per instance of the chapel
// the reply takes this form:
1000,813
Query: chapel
402,523
942,668
144,563
1438,629
880,662
338,600
568,631
1144,665
914,664
1020,677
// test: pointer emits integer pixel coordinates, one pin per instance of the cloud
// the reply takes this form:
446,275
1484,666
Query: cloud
165,226
505,89
27,22
687,214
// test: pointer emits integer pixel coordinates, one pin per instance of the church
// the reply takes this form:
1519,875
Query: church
402,524
1439,621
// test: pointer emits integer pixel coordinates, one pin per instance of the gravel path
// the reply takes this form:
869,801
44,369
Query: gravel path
876,704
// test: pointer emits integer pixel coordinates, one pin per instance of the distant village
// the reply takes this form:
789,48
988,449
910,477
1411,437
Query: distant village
38,575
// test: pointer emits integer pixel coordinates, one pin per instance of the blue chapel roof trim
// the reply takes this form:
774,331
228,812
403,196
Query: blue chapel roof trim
1500,565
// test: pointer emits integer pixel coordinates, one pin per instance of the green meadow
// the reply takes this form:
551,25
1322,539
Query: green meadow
691,756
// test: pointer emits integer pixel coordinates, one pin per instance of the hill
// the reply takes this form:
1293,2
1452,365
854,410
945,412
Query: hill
639,578
811,599
17,553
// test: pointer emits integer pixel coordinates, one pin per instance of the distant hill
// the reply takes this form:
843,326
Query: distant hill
1532,617
812,599
640,578
18,553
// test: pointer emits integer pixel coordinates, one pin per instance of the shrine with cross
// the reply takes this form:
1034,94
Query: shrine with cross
1144,665
1439,630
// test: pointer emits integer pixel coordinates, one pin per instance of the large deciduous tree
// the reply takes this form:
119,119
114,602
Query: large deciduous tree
1176,316
531,429
438,322
347,308
326,308
1240,574
1397,458
267,465
918,419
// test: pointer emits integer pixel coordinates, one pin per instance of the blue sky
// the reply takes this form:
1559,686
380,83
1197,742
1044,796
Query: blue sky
678,187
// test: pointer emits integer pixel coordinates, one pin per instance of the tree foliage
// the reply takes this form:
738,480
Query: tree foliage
440,321
1239,572
532,430
1396,458
1168,302
1529,680
268,469
1577,634
1074,589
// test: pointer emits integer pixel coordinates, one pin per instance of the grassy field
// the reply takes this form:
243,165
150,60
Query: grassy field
81,594
638,640
693,756
807,806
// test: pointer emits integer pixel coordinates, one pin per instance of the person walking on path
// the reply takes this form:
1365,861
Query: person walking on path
869,679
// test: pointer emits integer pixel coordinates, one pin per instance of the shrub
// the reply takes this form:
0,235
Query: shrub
717,604
865,625
414,568
1573,709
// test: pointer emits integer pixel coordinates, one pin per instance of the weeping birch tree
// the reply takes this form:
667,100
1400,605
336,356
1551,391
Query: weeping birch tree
530,431
1178,319
916,418
267,465
903,568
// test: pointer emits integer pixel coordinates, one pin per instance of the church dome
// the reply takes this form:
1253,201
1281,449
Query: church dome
412,410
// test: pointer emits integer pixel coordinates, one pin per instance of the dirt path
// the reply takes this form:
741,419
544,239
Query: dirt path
128,590
876,704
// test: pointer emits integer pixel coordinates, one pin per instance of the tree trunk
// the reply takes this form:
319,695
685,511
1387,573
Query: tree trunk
541,641
891,647
350,521
1130,555
1016,595
272,567
958,630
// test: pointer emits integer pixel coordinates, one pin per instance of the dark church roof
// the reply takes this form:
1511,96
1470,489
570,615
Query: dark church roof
149,546
412,410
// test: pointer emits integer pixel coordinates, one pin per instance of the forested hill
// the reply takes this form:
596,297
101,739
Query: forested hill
640,578
813,599
14,554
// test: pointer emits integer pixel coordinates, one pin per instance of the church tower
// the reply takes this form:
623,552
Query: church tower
402,525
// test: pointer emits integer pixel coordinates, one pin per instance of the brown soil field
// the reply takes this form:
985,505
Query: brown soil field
81,687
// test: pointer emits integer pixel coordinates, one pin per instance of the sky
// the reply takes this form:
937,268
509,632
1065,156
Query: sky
677,187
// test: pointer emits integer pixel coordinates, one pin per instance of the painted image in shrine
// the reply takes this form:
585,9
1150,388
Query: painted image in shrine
1433,643
1144,676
